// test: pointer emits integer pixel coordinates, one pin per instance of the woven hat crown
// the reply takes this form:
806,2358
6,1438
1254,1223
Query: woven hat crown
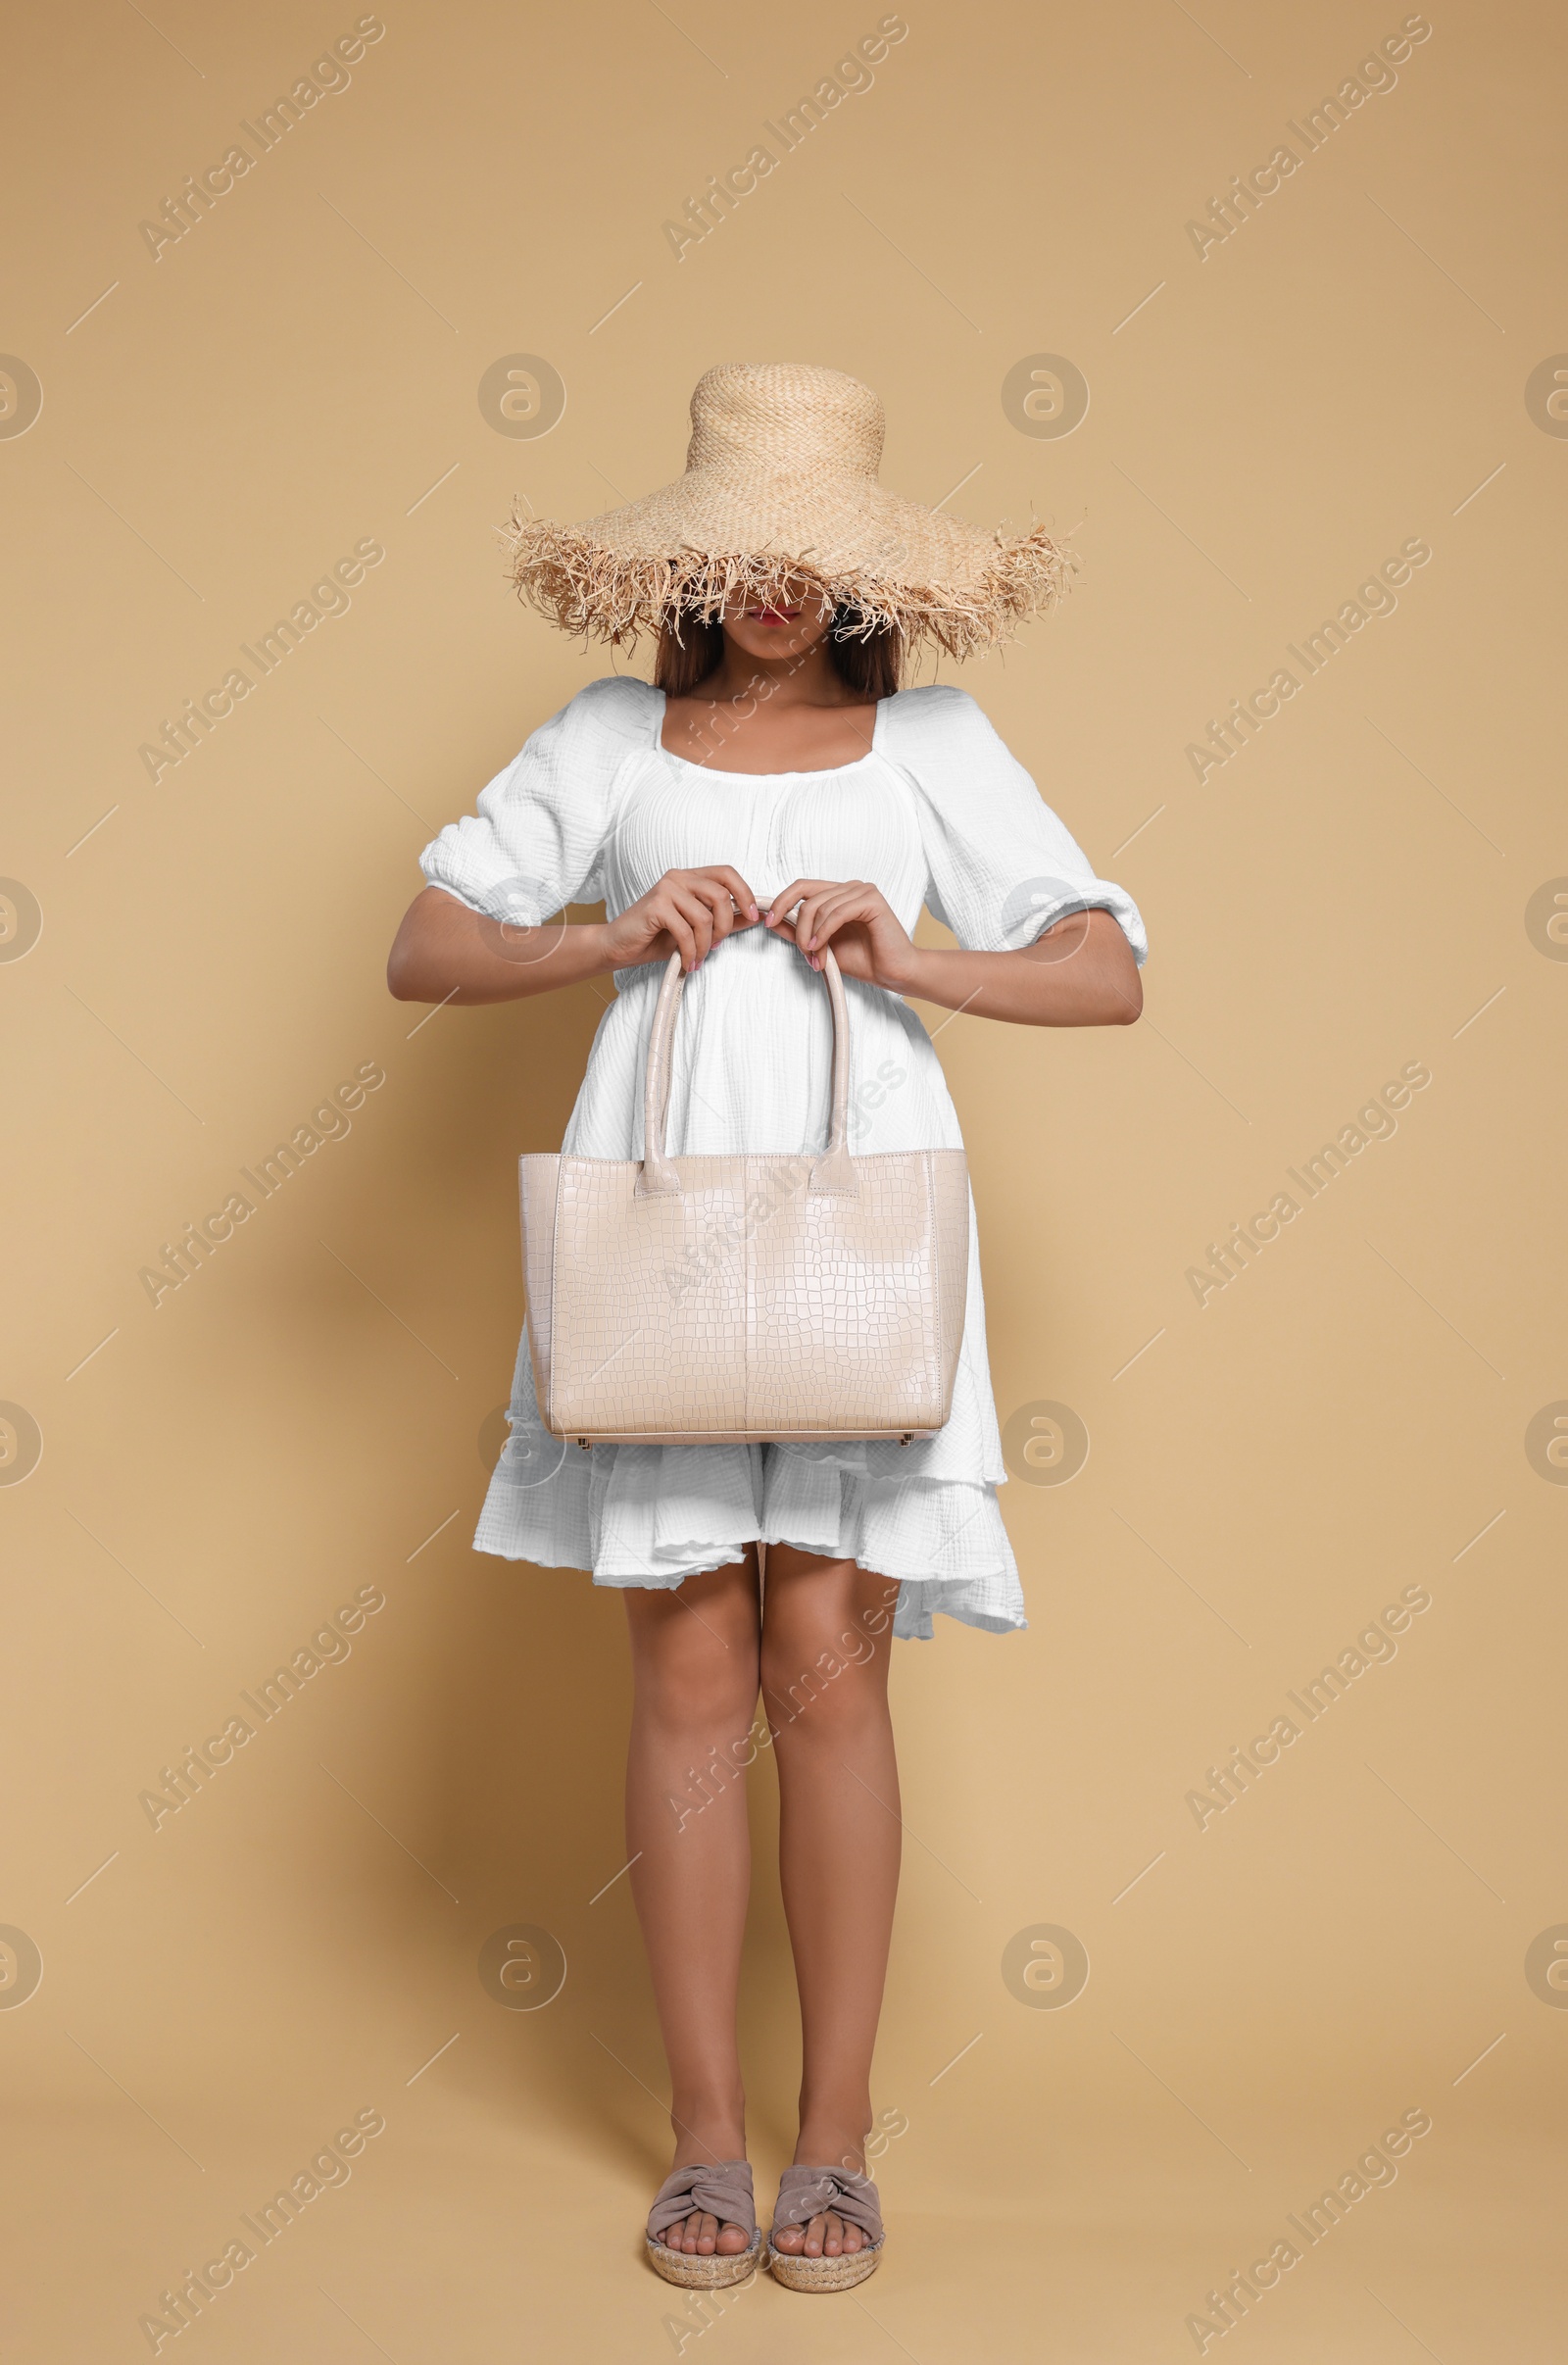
782,419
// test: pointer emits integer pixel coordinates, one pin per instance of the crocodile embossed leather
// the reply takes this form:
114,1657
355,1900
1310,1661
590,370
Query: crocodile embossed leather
745,1299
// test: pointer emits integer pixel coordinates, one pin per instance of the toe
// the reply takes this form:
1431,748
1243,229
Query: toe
814,2237
832,2235
788,2240
854,2238
707,2234
732,2239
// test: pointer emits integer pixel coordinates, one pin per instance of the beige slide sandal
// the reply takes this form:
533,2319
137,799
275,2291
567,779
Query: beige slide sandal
722,2190
807,2192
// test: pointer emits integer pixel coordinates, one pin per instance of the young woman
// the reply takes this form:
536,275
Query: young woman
772,794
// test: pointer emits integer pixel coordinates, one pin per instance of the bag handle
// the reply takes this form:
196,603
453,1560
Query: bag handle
833,1171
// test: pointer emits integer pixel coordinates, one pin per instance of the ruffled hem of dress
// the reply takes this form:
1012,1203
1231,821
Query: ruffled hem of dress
652,1515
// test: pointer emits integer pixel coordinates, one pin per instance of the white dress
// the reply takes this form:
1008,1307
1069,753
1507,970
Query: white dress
938,813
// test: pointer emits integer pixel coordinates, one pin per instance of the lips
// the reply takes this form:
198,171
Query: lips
775,616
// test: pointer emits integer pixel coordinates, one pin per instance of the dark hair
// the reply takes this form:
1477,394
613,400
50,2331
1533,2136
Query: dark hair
870,665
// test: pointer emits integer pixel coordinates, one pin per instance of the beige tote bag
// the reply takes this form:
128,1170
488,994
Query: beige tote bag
742,1300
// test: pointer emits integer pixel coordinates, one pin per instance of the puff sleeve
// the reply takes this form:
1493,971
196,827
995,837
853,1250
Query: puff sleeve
1002,866
538,838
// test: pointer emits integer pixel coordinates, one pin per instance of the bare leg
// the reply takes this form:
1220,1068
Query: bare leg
695,1666
826,1643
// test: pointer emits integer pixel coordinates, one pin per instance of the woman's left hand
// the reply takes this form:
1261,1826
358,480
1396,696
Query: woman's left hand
868,940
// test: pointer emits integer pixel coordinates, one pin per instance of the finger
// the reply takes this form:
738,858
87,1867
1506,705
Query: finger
784,915
826,922
784,902
700,920
674,922
806,917
740,894
830,913
696,918
853,899
720,904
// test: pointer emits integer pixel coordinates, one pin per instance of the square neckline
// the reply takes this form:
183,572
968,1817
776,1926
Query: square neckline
714,772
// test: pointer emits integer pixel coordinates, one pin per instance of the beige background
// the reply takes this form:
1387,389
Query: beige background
304,1416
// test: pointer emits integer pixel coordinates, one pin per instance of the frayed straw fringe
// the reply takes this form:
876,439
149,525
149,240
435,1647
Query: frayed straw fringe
595,592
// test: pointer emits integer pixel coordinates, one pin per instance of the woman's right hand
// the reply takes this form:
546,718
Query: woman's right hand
447,952
688,913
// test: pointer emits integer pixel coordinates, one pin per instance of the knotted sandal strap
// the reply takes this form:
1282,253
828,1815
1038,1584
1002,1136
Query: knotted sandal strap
723,2191
807,2192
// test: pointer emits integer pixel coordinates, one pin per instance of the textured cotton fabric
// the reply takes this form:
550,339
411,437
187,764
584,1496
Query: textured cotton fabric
937,813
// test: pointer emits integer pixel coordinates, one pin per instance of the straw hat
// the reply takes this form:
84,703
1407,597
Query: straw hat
781,481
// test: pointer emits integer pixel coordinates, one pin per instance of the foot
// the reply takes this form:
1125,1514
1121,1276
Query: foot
828,2236
702,2235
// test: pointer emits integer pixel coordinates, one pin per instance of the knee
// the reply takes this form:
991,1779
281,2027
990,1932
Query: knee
700,1689
816,1689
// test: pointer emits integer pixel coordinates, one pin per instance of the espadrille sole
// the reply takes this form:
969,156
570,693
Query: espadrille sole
694,2272
840,2273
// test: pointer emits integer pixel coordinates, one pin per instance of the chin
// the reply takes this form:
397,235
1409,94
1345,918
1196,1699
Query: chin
775,640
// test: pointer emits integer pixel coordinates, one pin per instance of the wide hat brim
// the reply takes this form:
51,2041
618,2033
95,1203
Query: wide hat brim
749,520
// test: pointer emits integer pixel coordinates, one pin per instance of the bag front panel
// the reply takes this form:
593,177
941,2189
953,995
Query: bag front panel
650,1318
843,1323
747,1307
